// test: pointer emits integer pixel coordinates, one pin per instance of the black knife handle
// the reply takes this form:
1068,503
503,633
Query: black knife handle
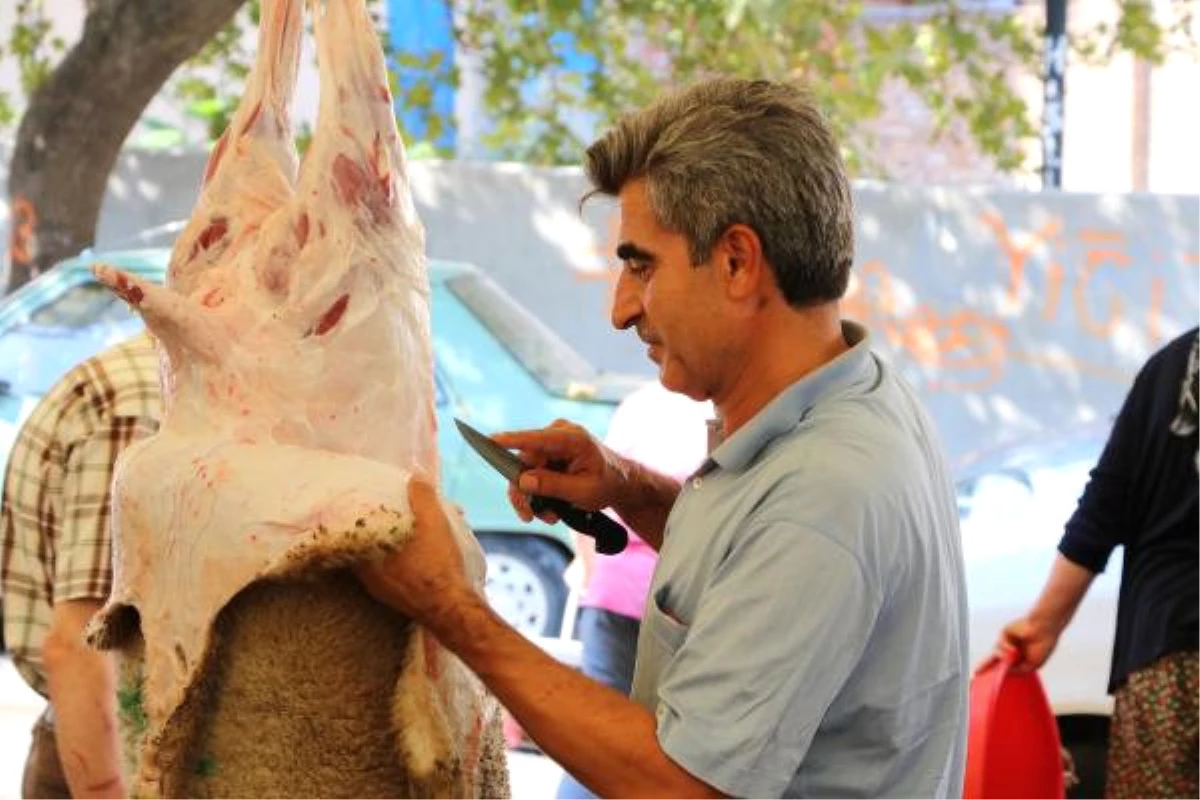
611,537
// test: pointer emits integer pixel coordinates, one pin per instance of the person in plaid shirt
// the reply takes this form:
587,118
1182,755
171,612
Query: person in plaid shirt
56,568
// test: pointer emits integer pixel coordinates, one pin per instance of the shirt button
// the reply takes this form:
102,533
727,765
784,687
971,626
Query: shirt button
696,482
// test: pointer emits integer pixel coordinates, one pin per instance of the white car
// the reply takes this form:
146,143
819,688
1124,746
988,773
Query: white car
1013,505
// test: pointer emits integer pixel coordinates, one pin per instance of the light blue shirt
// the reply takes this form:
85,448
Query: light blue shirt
806,630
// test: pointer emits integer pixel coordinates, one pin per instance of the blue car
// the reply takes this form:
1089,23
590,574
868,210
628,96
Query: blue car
497,367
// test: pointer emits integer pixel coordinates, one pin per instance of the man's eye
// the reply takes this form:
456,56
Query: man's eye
637,269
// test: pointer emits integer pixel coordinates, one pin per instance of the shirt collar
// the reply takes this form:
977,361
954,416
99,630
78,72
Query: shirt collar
791,405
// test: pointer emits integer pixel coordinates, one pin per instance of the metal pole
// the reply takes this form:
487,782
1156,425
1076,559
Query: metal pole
1055,68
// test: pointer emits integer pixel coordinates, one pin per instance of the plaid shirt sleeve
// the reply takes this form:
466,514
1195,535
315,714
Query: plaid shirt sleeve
83,566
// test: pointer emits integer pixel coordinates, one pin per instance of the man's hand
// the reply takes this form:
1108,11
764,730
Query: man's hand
607,740
567,462
590,476
426,577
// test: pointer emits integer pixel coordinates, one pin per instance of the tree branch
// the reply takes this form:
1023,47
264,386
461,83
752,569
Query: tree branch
76,122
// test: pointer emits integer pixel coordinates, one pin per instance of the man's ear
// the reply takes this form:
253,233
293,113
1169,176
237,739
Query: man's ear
742,264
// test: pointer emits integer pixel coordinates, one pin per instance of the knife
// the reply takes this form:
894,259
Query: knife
611,537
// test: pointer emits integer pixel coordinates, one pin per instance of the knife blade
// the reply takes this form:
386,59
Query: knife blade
611,537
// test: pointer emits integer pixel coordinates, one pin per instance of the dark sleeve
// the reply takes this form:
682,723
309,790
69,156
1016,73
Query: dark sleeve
1101,520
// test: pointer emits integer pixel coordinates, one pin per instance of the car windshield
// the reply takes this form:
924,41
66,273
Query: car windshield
547,357
54,337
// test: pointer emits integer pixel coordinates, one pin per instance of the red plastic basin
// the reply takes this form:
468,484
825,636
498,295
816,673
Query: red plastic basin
1013,748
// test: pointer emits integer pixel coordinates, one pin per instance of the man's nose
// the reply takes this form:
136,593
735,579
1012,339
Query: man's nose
627,302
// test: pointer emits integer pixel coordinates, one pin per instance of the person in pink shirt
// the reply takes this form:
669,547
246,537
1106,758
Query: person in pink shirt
668,433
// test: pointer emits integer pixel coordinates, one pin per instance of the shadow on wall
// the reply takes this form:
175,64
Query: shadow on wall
1011,312
523,226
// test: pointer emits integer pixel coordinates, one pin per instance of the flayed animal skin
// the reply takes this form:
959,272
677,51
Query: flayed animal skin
297,373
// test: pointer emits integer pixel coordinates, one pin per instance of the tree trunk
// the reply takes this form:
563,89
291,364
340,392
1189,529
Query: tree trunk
76,122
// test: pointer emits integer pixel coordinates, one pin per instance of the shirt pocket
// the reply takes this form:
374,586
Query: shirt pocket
665,626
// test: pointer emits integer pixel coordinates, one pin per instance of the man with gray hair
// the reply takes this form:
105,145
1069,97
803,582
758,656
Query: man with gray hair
805,632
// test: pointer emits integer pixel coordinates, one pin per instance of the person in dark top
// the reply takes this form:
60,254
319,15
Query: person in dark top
1142,495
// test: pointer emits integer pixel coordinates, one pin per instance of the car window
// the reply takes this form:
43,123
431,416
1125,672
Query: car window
550,360
441,398
60,333
80,307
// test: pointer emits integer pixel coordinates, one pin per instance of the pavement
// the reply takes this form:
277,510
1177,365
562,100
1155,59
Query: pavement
533,775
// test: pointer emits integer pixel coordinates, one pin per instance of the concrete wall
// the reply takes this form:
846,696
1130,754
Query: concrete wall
1017,313
1011,312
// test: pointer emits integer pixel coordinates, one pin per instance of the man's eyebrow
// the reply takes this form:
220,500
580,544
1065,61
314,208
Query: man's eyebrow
628,251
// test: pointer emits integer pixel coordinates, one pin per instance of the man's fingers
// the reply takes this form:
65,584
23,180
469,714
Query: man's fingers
373,575
520,503
551,483
524,507
422,497
518,440
429,513
542,445
557,446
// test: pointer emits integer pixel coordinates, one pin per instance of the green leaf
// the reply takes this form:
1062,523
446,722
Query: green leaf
961,64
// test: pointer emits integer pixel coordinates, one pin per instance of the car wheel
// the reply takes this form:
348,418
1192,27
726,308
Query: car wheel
525,583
